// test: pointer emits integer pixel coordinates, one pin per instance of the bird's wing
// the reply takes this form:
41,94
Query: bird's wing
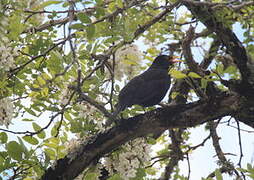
147,85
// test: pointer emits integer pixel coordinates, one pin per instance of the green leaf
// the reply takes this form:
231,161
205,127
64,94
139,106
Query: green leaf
90,30
24,147
99,12
119,3
41,81
51,145
67,116
30,111
242,170
203,83
66,4
15,150
151,141
99,2
50,153
174,94
45,92
151,171
230,70
16,27
77,26
218,175
84,18
48,3
152,51
194,75
36,127
249,167
54,131
219,68
115,177
91,176
3,137
55,63
26,119
141,173
31,140
177,74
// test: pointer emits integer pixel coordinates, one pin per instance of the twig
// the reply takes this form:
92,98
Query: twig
143,28
62,21
240,147
60,124
243,130
28,133
200,144
17,69
189,167
100,107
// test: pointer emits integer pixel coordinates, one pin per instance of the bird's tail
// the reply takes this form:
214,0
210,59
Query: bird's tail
118,109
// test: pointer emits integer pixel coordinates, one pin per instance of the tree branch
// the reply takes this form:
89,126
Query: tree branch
184,115
176,153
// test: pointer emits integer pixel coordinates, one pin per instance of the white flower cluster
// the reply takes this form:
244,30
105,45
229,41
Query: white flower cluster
64,95
7,54
87,112
7,51
127,58
6,111
3,23
72,147
135,154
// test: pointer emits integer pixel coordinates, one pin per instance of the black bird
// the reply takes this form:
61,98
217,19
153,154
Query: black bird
149,88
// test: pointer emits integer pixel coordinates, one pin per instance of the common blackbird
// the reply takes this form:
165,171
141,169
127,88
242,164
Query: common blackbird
149,88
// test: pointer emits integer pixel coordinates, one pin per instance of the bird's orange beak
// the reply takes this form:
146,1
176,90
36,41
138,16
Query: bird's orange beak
175,59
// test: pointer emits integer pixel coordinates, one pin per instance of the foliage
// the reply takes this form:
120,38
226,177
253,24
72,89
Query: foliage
62,64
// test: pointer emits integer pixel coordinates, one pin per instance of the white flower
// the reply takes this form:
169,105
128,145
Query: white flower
135,163
15,51
72,147
5,39
4,21
6,111
127,59
7,55
129,160
64,96
109,165
88,112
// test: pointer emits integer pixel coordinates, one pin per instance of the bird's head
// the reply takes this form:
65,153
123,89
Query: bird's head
164,61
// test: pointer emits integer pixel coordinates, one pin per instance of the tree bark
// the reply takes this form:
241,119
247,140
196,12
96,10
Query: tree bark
183,115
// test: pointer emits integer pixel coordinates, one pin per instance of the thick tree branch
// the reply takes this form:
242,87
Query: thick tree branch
184,115
187,52
175,154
